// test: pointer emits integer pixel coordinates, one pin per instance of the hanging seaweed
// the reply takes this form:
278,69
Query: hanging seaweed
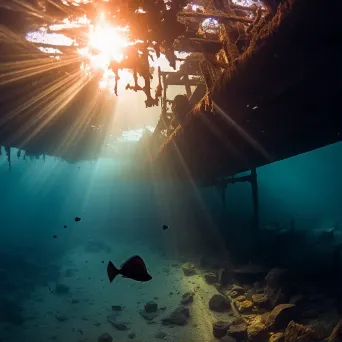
8,155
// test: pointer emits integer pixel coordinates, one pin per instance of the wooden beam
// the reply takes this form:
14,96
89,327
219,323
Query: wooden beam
191,83
187,86
175,73
220,17
230,180
200,40
199,45
164,99
253,8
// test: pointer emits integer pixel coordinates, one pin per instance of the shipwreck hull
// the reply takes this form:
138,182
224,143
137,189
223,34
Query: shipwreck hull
280,100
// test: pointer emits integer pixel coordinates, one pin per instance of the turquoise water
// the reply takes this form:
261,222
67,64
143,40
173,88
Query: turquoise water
120,219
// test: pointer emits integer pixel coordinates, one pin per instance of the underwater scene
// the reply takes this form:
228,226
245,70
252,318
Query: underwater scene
192,268
170,171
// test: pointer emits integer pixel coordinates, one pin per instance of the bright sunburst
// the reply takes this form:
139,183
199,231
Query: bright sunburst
106,43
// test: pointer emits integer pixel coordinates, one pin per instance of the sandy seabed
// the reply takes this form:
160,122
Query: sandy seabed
81,314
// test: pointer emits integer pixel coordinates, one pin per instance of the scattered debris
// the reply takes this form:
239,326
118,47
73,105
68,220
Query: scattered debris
210,278
243,306
297,332
336,334
151,307
220,329
280,316
218,303
122,326
189,269
105,338
160,335
236,291
131,335
187,298
238,331
257,332
150,311
177,317
260,300
277,337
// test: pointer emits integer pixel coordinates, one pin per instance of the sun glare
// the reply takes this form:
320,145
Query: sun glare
106,43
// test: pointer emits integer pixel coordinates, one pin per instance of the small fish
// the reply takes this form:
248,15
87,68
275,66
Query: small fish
165,227
50,289
77,219
65,226
134,268
55,236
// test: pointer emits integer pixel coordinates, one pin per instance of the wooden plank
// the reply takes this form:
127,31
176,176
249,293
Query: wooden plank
191,83
197,45
253,8
220,17
174,73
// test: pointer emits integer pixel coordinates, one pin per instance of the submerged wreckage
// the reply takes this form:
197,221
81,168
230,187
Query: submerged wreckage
261,82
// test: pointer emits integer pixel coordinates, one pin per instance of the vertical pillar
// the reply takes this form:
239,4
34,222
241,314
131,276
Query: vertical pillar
255,197
187,86
164,103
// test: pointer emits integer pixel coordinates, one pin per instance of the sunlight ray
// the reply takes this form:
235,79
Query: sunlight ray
48,99
36,97
17,75
252,141
79,126
56,106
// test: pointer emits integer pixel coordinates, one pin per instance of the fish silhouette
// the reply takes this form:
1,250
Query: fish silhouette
134,268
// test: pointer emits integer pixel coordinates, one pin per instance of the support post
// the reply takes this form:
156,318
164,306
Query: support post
164,99
254,185
187,86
